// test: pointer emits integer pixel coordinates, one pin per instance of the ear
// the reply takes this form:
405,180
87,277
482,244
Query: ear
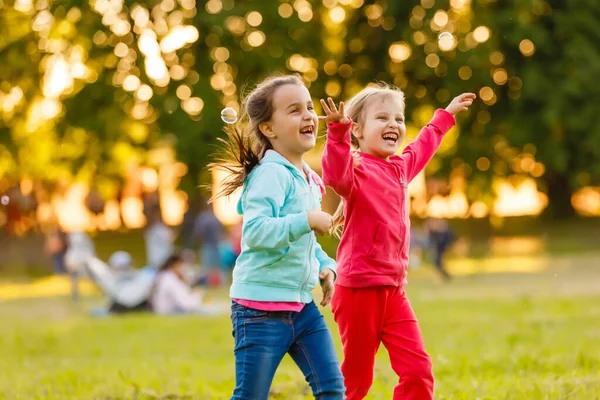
356,131
267,130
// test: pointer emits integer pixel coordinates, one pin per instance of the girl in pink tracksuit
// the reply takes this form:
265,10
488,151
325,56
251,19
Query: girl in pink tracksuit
370,305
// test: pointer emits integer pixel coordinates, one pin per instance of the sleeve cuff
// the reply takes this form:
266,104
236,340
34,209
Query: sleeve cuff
298,225
442,120
338,131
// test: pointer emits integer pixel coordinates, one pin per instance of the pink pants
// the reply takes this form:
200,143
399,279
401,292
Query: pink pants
367,317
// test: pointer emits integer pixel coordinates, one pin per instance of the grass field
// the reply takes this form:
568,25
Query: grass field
491,336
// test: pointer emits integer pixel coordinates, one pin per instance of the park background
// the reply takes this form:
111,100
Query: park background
107,107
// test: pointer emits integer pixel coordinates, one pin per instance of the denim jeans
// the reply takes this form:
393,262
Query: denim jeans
263,338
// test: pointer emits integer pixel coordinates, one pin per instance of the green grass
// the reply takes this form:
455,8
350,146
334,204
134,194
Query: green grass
504,336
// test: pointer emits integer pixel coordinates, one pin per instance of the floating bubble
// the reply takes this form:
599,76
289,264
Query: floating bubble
446,41
229,115
5,200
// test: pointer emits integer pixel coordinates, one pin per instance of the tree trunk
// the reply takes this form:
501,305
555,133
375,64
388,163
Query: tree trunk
560,192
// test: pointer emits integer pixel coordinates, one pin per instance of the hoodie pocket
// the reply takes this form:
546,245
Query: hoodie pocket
384,248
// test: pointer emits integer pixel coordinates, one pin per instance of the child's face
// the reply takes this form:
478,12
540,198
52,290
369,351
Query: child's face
382,128
294,124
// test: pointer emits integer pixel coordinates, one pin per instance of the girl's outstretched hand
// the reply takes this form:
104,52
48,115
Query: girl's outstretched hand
332,113
461,103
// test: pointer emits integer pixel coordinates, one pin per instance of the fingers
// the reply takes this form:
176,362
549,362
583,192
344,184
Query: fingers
322,117
327,295
326,277
332,105
326,273
325,107
342,108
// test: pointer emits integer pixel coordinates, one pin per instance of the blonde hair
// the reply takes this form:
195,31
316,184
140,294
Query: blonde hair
355,109
245,144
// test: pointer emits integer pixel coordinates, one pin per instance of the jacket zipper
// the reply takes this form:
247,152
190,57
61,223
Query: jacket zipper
309,258
308,270
403,212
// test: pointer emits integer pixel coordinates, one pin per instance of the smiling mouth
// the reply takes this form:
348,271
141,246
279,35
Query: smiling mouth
308,130
390,137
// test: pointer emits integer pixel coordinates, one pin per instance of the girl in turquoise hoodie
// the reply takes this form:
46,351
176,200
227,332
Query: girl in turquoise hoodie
281,262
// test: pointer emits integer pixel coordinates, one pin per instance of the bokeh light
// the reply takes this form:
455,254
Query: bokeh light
526,47
481,34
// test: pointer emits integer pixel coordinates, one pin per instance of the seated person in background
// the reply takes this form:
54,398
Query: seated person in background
131,284
128,289
172,294
122,264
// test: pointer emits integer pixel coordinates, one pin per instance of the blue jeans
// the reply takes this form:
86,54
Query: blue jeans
263,338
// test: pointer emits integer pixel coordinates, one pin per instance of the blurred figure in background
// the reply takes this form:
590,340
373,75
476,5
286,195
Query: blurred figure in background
209,232
127,288
81,249
56,247
418,245
441,238
235,236
188,231
159,239
229,250
121,263
172,294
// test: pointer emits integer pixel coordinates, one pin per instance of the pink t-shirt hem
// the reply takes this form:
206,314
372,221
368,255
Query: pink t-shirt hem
271,305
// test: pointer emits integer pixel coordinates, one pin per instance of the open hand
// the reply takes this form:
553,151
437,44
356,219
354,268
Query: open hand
461,103
326,276
332,113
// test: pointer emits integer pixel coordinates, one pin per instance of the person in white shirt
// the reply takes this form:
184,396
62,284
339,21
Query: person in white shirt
171,293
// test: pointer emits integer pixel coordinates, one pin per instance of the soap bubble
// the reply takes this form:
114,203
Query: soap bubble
5,200
229,115
446,41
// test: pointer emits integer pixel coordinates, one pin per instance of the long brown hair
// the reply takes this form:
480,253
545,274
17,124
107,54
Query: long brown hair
245,144
355,109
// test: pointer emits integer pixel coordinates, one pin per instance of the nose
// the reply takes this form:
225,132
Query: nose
307,115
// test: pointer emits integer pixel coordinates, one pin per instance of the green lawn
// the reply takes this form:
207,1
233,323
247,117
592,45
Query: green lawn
491,336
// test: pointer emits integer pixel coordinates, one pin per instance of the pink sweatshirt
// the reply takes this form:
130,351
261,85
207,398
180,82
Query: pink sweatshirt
375,241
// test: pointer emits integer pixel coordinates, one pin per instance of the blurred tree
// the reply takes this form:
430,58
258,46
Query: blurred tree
89,88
